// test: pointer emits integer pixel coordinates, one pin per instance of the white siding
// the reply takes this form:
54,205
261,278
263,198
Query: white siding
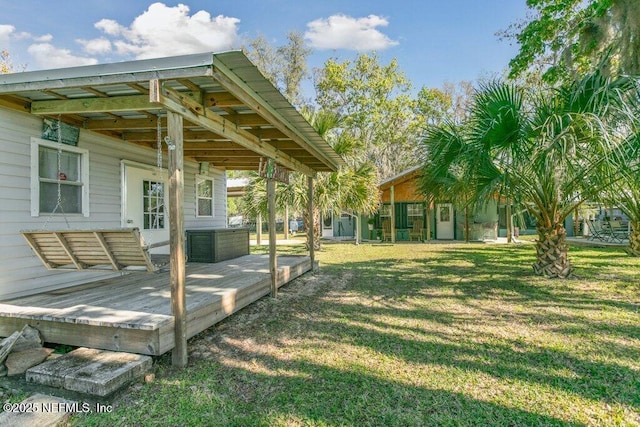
21,272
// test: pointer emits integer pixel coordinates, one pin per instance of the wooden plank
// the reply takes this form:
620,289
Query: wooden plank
94,105
176,237
106,249
82,335
34,246
65,247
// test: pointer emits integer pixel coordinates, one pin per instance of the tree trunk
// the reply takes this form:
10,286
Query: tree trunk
634,239
552,252
316,227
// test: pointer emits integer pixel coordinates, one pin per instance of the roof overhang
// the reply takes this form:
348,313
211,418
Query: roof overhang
233,116
403,176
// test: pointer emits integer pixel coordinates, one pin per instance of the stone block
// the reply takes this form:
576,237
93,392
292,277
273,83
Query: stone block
19,361
91,371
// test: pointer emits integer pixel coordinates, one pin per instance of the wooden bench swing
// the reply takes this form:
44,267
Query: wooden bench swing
83,249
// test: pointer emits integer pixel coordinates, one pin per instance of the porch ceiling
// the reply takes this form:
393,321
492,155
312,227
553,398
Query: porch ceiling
232,115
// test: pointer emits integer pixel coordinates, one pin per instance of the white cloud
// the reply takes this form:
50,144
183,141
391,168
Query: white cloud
167,31
98,46
43,39
345,32
48,56
6,31
109,26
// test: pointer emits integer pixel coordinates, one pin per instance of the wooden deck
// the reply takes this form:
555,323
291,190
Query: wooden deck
133,312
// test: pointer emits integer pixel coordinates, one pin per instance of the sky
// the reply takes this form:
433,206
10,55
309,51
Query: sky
434,41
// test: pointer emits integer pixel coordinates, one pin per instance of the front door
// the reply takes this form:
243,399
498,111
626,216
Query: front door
144,203
444,221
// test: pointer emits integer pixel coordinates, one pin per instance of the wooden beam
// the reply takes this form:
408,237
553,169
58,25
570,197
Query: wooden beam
233,84
196,113
311,225
94,105
221,100
259,229
177,275
122,124
248,119
101,104
393,214
237,153
273,260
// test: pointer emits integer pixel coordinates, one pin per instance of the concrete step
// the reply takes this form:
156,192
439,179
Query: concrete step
37,410
91,371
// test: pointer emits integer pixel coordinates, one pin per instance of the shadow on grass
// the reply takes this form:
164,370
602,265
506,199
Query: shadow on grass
446,315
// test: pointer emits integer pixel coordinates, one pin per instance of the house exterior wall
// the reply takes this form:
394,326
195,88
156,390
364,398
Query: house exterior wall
21,272
406,191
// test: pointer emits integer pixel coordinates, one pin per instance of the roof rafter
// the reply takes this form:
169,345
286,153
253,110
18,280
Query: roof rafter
196,113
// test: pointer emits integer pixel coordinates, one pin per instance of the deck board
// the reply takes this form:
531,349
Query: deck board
100,314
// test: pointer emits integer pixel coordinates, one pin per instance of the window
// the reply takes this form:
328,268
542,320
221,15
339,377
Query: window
68,168
204,196
385,211
152,205
414,213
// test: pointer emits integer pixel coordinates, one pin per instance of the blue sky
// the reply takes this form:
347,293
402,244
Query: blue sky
434,41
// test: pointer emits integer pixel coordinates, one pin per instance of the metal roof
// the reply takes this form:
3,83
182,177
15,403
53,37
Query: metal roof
233,114
401,177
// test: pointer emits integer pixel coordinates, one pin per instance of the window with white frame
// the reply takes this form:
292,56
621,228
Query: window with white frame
204,196
385,211
415,212
59,179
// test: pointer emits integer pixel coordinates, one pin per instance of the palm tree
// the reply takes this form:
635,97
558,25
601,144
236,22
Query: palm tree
548,152
354,187
562,145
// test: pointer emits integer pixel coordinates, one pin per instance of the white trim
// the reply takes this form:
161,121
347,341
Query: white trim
36,143
198,179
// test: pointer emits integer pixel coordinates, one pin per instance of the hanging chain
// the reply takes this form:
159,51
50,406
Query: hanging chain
58,180
159,194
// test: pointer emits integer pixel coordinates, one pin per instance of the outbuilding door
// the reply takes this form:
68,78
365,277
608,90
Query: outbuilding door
444,221
144,203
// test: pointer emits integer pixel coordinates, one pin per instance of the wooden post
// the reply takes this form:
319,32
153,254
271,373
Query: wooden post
176,239
312,221
285,223
509,224
393,215
428,220
259,229
273,261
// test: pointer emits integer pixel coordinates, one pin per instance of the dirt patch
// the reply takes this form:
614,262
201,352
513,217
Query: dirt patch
241,332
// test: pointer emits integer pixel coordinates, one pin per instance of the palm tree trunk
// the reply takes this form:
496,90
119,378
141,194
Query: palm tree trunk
315,223
552,252
634,239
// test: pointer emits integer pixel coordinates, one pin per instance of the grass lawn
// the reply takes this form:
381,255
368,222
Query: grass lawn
414,334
